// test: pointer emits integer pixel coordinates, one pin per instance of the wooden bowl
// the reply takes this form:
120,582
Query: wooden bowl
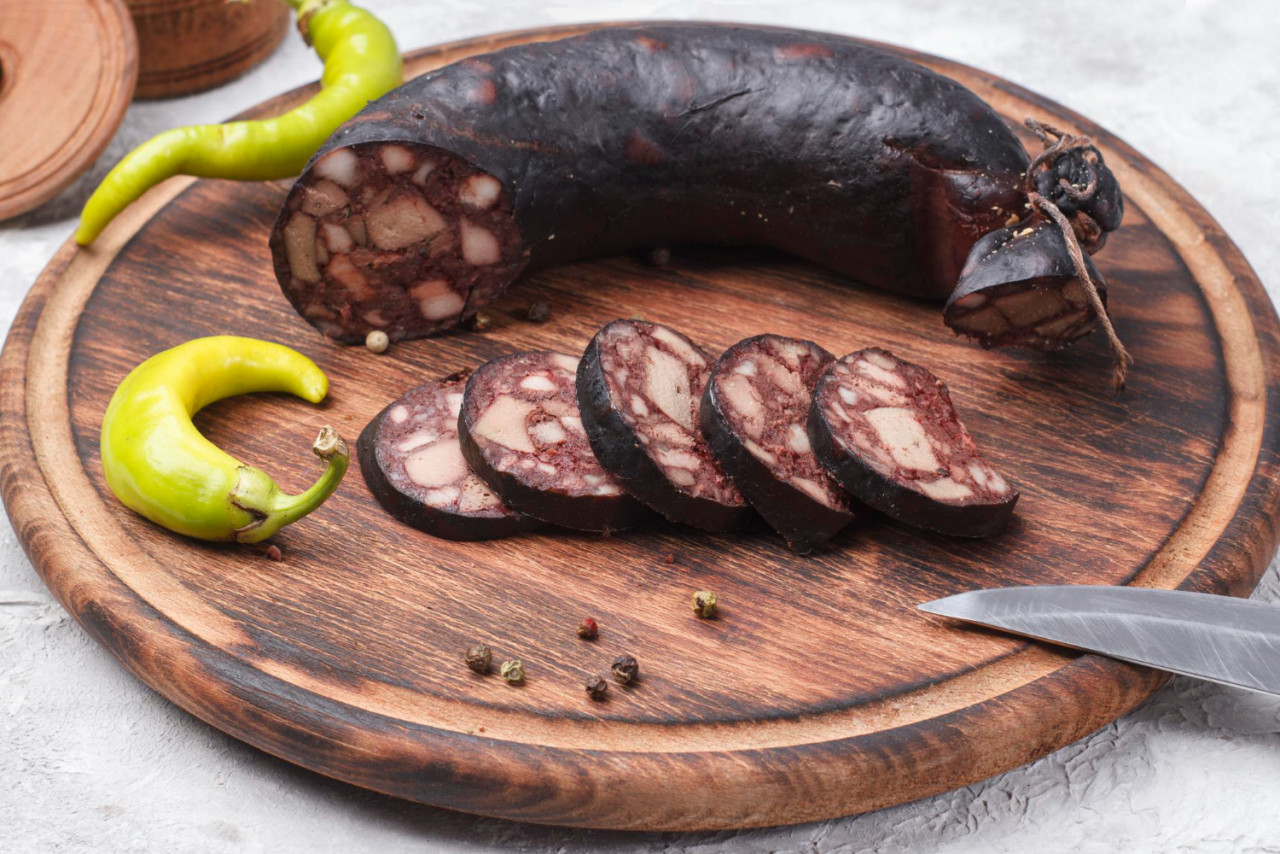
188,46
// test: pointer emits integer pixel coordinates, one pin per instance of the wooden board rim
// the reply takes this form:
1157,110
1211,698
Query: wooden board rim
179,665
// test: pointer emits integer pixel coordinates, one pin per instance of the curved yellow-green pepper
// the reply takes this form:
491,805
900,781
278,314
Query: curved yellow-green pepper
159,465
361,64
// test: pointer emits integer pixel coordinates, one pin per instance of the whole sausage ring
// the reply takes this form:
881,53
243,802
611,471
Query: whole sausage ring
434,199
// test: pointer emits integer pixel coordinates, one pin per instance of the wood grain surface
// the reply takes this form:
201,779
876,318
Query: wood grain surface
67,73
187,46
819,691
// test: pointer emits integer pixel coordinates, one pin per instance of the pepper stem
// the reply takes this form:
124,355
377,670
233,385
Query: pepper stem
285,509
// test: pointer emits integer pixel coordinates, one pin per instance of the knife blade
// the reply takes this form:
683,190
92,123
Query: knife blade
1218,638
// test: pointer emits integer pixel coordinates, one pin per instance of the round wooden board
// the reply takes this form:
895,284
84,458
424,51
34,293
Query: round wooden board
819,692
67,72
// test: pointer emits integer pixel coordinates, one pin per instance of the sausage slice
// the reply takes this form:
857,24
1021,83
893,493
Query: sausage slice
640,389
521,433
886,429
753,415
411,460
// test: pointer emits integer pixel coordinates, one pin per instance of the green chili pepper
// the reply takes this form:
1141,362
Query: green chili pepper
159,465
361,63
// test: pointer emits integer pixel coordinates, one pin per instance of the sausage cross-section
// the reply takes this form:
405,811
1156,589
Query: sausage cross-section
754,411
436,197
887,430
411,460
522,434
640,390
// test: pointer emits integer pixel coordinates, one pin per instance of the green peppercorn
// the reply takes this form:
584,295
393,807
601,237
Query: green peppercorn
597,688
513,671
479,658
626,669
704,604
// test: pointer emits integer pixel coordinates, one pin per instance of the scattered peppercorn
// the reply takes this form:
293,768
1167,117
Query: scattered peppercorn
539,311
588,629
377,341
478,322
704,604
597,688
479,658
660,256
512,671
626,669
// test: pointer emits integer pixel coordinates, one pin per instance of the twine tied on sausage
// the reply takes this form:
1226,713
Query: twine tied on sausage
1056,142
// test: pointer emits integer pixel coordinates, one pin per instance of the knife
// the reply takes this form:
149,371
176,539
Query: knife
1218,638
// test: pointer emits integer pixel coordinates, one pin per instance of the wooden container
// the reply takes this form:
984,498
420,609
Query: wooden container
188,46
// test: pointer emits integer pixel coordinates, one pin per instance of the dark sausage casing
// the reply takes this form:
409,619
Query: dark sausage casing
432,200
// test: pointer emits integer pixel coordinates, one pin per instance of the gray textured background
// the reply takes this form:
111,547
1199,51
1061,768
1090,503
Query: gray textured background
92,760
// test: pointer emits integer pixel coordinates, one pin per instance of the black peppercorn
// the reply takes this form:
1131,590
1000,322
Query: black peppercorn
588,629
597,688
539,311
626,669
479,658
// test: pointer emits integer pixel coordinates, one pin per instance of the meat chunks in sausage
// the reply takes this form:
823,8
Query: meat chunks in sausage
639,390
886,429
522,434
754,412
411,460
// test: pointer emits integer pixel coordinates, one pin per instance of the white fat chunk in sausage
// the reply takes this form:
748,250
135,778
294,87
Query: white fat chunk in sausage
880,373
323,198
607,489
403,221
785,379
902,434
676,458
759,452
574,423
416,440
443,497
798,439
300,247
998,484
848,395
944,489
340,166
475,496
740,395
538,382
346,273
396,159
746,367
568,363
813,489
400,413
479,192
437,300
978,473
880,360
681,477
503,423
638,406
667,386
679,345
420,176
479,246
436,465
548,432
337,238
454,402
